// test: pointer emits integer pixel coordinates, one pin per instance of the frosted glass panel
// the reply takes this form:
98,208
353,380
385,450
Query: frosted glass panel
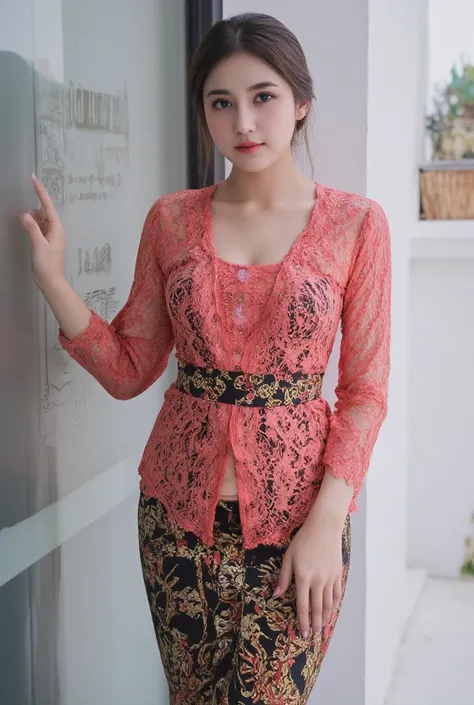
93,97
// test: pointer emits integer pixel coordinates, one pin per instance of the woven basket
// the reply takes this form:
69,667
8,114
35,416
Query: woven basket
447,195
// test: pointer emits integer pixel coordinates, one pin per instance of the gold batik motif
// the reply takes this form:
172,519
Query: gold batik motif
244,389
223,638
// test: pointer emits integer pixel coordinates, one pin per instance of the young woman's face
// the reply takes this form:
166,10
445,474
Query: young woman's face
250,112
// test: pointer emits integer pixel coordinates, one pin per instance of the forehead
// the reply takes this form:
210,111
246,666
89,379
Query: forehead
239,71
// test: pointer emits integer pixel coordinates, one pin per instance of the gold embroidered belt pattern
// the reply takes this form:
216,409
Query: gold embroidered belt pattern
245,389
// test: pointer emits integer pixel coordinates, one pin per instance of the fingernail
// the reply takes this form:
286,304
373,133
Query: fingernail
33,176
305,634
276,592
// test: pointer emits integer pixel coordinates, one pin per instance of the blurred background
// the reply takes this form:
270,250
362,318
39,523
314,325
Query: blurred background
94,100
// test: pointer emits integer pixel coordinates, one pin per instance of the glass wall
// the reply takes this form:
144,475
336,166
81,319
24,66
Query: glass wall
94,102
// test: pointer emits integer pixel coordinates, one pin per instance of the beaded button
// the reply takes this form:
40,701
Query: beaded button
242,275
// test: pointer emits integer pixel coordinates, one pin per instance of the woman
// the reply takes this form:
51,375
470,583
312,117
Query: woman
248,479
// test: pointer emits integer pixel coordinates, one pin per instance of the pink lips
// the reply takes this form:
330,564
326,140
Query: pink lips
249,147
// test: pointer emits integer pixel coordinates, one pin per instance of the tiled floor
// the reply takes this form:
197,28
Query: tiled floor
436,660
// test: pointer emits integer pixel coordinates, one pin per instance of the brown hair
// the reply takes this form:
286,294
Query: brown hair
264,37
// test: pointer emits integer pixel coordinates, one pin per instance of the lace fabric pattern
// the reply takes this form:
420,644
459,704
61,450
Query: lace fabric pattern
280,319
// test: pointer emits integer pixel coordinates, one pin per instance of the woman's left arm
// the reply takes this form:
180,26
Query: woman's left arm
361,408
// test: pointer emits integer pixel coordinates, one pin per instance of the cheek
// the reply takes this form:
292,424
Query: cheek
280,120
218,125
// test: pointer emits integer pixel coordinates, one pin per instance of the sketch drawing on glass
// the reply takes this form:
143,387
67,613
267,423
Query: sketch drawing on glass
82,154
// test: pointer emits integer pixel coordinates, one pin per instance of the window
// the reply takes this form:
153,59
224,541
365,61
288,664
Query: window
450,100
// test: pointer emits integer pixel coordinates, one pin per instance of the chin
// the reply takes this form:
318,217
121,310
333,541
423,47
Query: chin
252,166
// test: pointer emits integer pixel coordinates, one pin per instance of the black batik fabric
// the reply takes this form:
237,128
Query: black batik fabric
223,638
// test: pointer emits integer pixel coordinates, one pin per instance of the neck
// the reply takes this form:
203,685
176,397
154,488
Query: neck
281,181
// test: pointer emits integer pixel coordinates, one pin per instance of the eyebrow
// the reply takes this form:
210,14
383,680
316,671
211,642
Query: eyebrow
255,87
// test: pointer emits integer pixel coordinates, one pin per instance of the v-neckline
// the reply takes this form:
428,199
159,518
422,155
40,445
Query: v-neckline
208,235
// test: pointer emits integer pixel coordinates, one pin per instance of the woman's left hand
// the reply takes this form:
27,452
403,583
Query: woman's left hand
315,557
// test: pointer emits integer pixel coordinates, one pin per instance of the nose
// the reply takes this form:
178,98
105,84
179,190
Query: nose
244,120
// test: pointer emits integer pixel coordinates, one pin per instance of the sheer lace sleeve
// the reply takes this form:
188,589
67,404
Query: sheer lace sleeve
129,354
364,359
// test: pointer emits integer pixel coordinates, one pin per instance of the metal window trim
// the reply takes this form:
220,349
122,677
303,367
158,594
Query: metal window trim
200,16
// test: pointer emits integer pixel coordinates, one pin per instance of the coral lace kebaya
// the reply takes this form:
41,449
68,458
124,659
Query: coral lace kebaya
280,319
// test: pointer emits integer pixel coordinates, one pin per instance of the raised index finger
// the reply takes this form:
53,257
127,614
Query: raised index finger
48,206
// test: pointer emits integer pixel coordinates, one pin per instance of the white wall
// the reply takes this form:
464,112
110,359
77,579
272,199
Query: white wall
395,122
441,497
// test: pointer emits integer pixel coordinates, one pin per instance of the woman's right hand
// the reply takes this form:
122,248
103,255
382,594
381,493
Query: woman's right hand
48,239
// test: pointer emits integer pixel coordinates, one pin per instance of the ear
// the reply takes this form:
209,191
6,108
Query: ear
302,111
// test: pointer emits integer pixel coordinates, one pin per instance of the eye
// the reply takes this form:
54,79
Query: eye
263,97
220,104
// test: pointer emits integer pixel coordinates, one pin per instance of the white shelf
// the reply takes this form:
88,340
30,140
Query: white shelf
441,239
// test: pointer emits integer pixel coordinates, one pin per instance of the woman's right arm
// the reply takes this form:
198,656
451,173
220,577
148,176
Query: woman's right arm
129,354
48,242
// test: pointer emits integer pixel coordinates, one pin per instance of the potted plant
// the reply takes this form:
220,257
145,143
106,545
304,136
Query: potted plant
460,93
447,185
451,124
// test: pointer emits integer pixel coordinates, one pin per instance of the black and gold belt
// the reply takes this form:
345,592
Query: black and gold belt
244,389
